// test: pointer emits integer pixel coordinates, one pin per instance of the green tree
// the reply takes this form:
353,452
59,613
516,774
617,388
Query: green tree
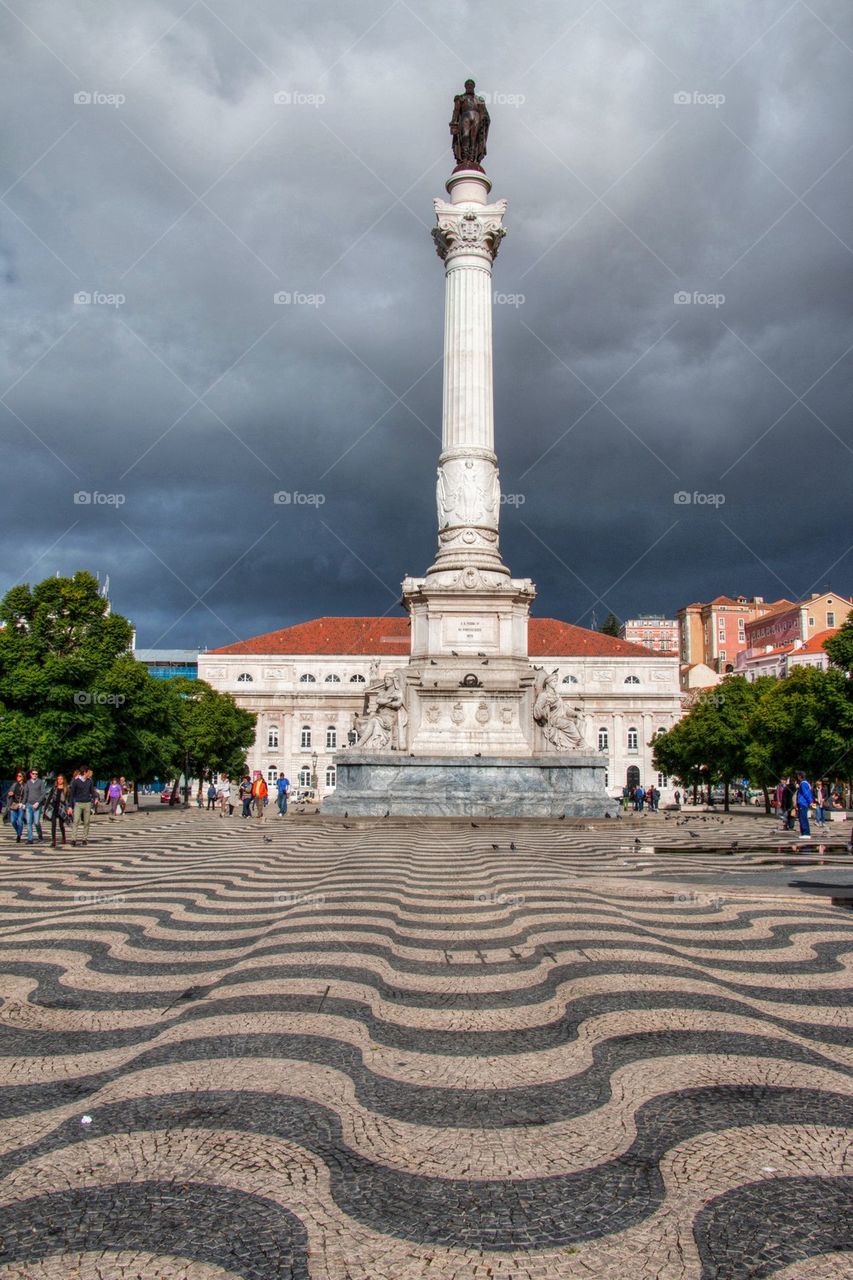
57,642
710,744
805,722
610,625
213,734
144,721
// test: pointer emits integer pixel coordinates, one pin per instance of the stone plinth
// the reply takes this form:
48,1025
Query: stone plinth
372,784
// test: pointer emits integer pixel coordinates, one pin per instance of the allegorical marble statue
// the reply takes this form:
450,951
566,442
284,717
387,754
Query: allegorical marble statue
385,726
469,128
561,726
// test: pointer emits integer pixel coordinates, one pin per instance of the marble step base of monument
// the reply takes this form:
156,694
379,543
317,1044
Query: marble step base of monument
373,784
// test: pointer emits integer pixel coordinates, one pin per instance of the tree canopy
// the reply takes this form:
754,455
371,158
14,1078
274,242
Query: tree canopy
71,693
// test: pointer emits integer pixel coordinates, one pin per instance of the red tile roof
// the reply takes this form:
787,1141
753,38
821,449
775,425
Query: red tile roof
547,637
815,645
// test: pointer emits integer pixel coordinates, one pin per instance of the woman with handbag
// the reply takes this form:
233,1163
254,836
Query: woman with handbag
56,807
15,798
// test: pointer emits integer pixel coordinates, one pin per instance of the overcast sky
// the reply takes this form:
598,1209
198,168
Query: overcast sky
647,148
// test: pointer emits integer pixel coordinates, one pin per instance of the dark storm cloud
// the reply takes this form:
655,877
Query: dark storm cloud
183,399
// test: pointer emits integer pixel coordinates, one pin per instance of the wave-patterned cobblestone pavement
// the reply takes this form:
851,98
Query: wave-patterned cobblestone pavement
361,1050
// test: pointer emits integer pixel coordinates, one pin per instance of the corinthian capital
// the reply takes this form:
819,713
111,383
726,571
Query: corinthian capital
466,229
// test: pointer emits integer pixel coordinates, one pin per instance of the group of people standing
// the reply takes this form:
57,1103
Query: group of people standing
32,800
640,797
250,794
795,797
255,794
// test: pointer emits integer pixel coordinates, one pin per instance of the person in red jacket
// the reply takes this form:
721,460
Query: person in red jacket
259,796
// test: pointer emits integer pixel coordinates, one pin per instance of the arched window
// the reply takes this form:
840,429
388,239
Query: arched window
272,773
357,679
603,740
333,679
331,777
632,777
272,736
331,737
305,737
633,740
305,776
244,678
632,680
570,679
307,678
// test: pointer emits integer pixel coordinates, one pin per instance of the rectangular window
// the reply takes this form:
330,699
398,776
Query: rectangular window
830,619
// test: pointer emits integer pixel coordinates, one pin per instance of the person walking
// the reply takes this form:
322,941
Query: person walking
282,786
260,792
804,800
114,797
639,797
820,803
81,797
15,801
786,793
246,796
211,796
34,803
234,795
125,792
56,807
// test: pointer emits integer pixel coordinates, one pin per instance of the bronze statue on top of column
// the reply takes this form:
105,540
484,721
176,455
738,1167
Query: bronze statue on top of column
469,128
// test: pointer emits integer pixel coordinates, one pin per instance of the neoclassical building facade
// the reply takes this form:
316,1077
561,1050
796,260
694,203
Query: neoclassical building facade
306,682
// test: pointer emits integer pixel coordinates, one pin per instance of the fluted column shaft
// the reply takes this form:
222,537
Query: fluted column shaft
467,236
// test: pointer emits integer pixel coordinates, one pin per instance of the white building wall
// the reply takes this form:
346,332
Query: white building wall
604,688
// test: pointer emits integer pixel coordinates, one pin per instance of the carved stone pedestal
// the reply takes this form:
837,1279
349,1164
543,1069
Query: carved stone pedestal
371,784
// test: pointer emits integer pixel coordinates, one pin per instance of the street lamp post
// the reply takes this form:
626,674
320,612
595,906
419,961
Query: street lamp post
314,770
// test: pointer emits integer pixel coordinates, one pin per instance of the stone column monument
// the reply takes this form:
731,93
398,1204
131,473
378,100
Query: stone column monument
468,726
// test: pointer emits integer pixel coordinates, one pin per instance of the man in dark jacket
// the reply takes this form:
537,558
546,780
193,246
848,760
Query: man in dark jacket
787,804
34,800
81,797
